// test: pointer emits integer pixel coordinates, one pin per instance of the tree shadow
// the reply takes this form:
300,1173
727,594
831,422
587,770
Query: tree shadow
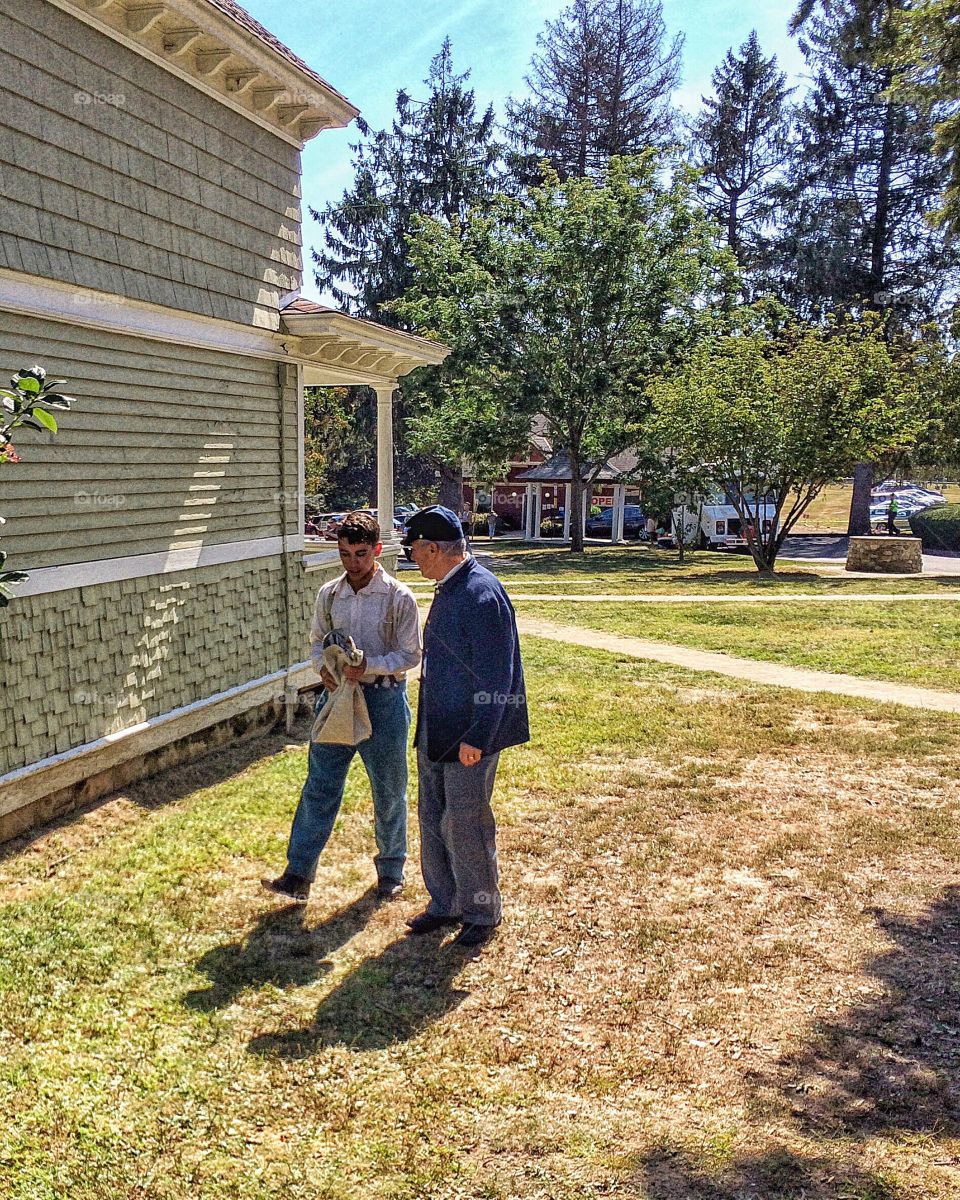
780,1174
279,949
892,1062
888,1066
386,1000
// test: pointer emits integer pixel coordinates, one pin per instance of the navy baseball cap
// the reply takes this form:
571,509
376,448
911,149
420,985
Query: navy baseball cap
433,524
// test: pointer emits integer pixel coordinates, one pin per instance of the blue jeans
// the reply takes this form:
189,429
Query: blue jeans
384,754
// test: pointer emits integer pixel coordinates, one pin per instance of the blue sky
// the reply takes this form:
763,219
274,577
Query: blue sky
369,49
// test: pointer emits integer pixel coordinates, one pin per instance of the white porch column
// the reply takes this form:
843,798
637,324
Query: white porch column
619,496
385,464
537,508
528,513
566,512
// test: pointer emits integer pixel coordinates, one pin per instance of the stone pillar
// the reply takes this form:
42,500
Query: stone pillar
385,465
885,555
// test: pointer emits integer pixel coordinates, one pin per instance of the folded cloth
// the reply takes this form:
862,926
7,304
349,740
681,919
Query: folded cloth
343,720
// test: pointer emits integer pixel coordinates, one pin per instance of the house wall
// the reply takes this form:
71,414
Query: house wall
120,176
78,665
166,446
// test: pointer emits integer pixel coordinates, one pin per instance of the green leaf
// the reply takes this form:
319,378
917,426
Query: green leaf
48,420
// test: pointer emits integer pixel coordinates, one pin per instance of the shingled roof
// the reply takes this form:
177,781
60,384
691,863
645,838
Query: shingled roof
234,11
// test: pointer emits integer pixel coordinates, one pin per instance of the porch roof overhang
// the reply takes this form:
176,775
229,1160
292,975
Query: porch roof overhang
336,349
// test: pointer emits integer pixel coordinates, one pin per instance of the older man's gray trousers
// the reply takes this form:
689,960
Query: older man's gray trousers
458,839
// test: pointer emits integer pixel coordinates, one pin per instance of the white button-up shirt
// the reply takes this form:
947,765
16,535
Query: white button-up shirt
364,616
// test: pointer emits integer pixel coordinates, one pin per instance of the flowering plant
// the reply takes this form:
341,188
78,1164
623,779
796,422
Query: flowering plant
26,403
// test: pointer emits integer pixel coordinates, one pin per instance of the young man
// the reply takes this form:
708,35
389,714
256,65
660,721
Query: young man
472,706
380,614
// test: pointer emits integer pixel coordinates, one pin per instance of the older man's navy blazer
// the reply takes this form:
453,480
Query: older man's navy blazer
472,684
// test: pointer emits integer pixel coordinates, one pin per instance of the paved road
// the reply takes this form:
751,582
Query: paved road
832,549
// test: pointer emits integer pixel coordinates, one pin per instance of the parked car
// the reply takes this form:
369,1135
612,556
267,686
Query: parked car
879,513
602,525
906,490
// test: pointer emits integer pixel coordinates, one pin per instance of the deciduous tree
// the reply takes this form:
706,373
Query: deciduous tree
26,404
567,301
776,416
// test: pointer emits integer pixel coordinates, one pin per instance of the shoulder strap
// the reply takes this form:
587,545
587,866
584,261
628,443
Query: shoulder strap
390,624
328,595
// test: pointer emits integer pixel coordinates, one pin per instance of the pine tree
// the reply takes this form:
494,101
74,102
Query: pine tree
437,159
927,53
600,84
742,142
857,215
857,231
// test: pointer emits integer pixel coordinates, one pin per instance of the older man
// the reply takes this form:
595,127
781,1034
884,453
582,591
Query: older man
472,706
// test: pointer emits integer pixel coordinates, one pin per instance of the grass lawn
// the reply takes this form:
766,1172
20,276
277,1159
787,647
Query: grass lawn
730,968
636,569
915,642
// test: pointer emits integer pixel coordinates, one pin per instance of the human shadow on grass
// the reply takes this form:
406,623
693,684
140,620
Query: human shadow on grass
280,949
886,1067
387,999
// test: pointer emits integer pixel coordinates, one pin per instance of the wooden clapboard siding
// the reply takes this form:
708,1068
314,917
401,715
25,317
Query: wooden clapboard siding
159,194
140,466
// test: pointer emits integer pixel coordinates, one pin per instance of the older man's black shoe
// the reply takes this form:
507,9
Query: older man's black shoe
427,923
474,935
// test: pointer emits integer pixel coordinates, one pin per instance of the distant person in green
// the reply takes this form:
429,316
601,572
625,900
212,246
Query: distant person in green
892,511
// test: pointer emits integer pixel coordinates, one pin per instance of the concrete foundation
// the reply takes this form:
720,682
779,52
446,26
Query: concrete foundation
239,728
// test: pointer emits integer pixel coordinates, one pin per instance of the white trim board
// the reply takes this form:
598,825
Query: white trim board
182,558
28,784
91,309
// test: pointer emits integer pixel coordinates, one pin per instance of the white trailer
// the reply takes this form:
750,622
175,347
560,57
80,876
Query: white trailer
713,523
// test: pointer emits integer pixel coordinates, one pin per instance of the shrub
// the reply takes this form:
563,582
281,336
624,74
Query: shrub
551,527
939,527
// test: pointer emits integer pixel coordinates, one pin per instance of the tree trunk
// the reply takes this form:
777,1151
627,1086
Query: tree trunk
451,487
733,225
859,523
576,505
881,217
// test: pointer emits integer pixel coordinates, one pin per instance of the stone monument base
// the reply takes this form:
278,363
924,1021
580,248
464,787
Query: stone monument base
891,555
